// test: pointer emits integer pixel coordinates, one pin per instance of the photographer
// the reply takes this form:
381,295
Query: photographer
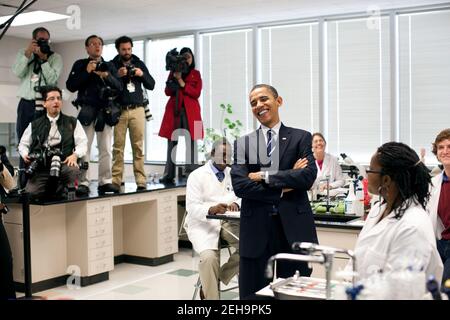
134,75
184,86
51,146
36,66
97,83
6,269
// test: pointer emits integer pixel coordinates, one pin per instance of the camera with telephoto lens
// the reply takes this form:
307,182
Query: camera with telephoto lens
55,165
175,62
131,70
44,46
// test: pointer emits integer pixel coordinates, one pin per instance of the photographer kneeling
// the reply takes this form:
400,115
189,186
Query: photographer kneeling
51,147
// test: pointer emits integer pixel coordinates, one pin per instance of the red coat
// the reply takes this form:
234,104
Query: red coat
189,96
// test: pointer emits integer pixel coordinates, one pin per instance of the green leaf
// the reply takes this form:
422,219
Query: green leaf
222,106
227,121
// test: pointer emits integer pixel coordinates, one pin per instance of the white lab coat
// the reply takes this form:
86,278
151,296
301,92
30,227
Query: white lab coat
203,190
393,243
432,207
331,167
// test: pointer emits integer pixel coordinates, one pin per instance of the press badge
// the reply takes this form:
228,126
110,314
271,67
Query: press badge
130,87
34,77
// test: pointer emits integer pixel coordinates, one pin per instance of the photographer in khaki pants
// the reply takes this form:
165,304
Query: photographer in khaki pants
6,269
134,74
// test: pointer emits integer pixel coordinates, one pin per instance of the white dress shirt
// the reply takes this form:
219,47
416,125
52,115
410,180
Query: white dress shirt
54,138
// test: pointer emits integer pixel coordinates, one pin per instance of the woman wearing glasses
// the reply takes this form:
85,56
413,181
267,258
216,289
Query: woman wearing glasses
397,233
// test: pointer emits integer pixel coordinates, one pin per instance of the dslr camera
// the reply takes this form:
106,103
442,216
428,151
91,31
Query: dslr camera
37,159
44,46
131,70
176,62
101,66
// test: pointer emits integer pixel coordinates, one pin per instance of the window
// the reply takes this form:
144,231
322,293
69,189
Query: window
290,62
358,87
156,63
227,69
424,74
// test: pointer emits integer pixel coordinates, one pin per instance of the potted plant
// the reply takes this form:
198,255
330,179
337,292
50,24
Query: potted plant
230,129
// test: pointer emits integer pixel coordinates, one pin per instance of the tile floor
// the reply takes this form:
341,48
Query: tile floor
170,281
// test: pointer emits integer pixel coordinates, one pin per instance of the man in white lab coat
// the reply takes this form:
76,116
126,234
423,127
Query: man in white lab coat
439,204
209,191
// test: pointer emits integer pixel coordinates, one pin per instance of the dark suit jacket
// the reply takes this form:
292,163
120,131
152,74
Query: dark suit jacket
259,198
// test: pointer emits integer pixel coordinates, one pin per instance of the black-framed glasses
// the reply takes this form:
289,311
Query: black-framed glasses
368,170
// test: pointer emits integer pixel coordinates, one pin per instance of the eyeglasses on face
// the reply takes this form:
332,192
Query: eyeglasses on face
369,170
54,98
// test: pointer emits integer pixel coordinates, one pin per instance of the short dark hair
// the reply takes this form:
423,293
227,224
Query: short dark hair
411,176
86,42
39,29
219,142
443,135
123,39
267,86
47,89
320,135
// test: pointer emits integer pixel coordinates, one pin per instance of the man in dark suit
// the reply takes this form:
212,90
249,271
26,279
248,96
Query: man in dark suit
274,167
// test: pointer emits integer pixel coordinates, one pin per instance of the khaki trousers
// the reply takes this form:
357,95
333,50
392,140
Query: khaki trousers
134,120
209,267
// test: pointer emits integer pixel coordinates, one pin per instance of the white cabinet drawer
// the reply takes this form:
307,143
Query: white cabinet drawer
100,266
100,242
99,231
98,207
101,253
99,219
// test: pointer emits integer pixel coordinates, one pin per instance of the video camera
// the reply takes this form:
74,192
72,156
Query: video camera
44,46
176,62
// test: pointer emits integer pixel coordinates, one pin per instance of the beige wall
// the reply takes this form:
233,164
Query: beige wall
9,46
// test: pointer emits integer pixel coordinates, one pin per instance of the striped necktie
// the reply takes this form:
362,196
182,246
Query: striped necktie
270,143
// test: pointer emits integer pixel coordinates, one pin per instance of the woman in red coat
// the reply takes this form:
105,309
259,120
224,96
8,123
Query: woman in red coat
186,115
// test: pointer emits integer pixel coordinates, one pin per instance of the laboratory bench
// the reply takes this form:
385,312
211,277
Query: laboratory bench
78,241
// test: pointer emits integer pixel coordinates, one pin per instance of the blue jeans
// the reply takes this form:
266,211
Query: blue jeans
443,247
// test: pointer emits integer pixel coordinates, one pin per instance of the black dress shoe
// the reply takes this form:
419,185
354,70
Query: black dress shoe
141,188
108,188
166,180
82,191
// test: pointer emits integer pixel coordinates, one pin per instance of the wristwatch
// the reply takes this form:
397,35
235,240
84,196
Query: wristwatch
264,175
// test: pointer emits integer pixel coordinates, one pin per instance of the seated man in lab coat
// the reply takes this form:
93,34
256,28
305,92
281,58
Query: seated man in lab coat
209,191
